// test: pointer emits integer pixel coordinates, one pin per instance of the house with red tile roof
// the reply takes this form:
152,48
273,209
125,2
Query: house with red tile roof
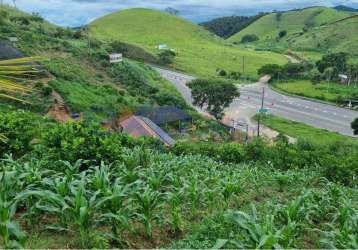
138,126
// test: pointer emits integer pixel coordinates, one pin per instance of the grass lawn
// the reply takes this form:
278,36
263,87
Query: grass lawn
326,91
302,131
198,51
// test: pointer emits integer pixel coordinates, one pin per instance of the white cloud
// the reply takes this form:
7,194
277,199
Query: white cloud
79,12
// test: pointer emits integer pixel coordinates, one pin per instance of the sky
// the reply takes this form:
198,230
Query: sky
74,13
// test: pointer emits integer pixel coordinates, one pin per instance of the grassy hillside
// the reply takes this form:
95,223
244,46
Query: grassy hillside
86,82
268,27
337,36
199,51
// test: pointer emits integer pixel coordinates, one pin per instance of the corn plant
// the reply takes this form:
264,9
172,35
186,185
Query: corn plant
254,233
115,209
11,234
148,203
175,199
230,187
100,177
343,230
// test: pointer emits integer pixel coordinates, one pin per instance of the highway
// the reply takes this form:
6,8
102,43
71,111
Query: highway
316,114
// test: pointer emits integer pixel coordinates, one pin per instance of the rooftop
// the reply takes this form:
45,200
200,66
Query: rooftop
141,126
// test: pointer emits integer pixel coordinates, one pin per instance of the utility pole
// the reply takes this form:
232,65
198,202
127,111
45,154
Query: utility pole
262,107
243,65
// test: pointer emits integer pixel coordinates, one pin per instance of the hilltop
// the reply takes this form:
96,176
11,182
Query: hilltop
293,24
198,51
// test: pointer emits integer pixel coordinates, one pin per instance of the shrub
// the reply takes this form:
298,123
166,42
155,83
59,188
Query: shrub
282,33
46,90
73,141
249,38
167,57
19,129
270,69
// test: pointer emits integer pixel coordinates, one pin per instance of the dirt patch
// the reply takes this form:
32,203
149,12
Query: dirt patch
60,112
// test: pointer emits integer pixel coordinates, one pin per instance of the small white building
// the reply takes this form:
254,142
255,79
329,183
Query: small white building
115,58
13,39
343,78
162,47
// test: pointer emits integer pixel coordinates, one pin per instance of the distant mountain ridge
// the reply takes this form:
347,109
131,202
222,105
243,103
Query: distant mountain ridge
345,8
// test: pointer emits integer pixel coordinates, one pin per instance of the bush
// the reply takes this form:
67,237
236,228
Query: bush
167,57
270,69
73,141
221,72
167,99
19,129
249,38
282,33
46,91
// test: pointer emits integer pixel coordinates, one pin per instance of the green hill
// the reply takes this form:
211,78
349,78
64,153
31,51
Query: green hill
295,23
199,51
337,36
87,83
268,27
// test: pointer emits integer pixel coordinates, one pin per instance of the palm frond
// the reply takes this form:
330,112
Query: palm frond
13,72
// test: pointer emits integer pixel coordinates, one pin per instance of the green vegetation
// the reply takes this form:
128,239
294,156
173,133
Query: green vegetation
228,26
321,80
214,95
325,91
302,131
129,193
249,38
76,185
198,51
84,78
354,126
317,29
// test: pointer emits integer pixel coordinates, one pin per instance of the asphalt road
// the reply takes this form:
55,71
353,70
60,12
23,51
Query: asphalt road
242,109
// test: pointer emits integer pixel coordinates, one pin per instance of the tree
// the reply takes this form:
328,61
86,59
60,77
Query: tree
270,69
167,57
330,73
354,126
214,95
249,38
352,71
335,60
282,33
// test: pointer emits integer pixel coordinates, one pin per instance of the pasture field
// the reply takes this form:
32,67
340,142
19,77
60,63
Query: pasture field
198,51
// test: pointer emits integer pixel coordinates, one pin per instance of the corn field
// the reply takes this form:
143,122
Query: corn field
161,200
